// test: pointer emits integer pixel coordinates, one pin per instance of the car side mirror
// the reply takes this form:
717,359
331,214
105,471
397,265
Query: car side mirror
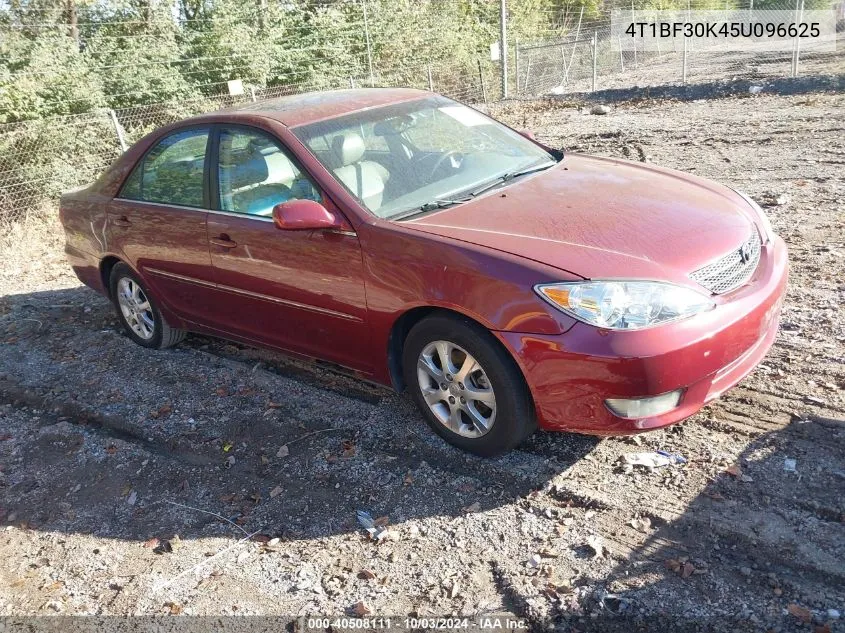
304,215
528,134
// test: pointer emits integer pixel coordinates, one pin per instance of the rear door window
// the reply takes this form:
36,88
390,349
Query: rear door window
172,172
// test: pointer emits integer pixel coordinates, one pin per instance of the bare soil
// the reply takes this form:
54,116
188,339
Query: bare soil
215,479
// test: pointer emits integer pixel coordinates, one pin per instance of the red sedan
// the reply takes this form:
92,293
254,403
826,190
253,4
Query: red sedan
426,246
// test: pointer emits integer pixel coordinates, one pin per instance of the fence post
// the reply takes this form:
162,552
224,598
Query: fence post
574,44
527,75
351,81
684,72
635,41
621,56
369,48
481,78
118,130
430,81
796,46
503,45
516,64
252,94
595,57
798,41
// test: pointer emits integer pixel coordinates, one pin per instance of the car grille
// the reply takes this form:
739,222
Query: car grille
732,270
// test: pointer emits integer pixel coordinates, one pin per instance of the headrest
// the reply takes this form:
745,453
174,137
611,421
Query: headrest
249,173
279,168
261,145
348,148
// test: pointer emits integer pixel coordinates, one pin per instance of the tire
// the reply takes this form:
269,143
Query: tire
146,327
512,410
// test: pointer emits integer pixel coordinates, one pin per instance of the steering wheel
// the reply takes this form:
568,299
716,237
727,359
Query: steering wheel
440,161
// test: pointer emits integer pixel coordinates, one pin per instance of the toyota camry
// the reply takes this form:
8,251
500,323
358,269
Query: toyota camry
421,244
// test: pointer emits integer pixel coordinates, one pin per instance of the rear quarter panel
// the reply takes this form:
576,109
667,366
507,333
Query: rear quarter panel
82,214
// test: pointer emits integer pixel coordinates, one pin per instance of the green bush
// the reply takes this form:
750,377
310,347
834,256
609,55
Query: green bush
45,76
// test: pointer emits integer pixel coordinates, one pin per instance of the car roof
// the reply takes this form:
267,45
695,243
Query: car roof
310,107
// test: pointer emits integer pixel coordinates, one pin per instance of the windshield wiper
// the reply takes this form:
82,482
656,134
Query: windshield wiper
429,206
442,204
507,176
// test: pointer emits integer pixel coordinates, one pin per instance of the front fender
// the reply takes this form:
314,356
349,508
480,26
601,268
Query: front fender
406,269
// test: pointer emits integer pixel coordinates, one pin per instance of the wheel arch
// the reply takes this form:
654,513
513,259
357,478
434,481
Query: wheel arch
408,319
107,264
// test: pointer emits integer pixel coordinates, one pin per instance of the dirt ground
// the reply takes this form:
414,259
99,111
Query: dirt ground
656,71
215,479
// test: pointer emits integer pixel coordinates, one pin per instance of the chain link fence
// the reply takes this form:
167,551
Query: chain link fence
587,59
41,158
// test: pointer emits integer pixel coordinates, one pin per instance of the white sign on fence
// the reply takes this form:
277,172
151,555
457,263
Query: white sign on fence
494,52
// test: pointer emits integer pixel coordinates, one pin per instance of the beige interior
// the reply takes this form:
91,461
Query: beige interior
364,178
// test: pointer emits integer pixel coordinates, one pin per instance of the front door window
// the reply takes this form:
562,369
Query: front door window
255,174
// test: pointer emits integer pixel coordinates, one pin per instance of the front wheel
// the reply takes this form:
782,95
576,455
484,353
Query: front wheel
468,388
138,312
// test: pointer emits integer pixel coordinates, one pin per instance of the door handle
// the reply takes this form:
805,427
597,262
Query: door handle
122,221
223,241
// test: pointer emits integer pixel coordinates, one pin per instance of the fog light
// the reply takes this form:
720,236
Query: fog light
634,408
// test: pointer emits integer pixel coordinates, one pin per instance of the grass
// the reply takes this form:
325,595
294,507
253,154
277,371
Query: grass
32,254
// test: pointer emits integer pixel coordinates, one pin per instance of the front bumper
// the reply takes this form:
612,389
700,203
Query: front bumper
570,375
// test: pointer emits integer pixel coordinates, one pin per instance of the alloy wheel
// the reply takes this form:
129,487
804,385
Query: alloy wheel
456,389
136,308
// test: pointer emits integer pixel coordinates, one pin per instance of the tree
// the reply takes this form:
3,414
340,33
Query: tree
315,44
136,53
225,45
45,76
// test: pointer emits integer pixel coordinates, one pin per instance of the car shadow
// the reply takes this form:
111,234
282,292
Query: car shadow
759,548
105,437
101,437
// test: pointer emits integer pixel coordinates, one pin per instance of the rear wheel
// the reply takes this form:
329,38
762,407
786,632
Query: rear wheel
138,312
467,386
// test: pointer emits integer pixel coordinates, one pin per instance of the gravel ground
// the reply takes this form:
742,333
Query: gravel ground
216,479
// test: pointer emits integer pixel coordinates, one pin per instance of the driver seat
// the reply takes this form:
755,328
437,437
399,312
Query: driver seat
364,178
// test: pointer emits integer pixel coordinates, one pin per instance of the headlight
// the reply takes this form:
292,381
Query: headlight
624,305
768,231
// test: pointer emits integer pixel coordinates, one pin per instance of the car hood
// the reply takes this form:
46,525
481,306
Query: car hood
603,218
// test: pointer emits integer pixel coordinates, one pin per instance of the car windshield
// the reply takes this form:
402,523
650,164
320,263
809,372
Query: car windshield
420,155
